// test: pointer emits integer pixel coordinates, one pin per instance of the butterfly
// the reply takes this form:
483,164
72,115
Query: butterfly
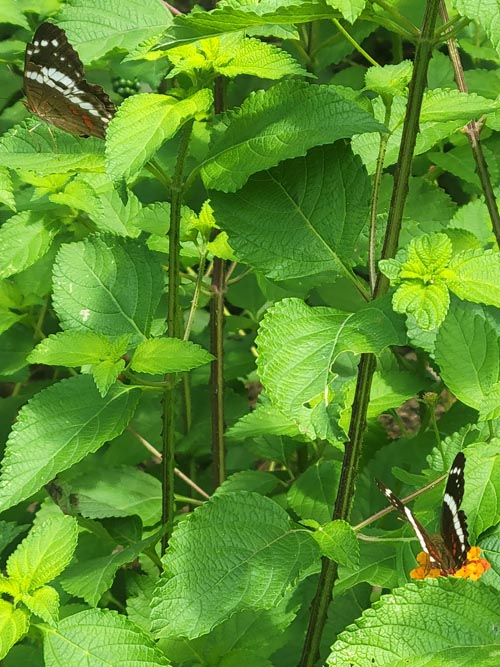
447,551
56,89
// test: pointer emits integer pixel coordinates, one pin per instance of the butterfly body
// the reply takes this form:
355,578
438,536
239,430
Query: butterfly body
447,551
56,89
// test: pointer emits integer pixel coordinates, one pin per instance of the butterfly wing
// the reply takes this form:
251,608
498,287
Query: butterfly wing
56,89
453,520
423,537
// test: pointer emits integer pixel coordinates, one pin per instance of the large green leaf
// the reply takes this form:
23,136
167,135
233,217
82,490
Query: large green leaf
301,218
96,28
131,142
298,345
249,562
25,238
467,349
33,147
98,637
199,25
277,124
110,288
418,620
58,428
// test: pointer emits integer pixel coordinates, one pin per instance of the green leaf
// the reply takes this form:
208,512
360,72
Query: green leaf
77,348
96,29
44,553
7,189
427,303
338,541
119,491
32,146
390,79
131,142
15,346
298,345
467,349
25,238
311,215
255,58
418,620
97,637
43,441
481,502
443,105
199,25
277,124
477,276
168,355
44,602
486,14
266,419
14,624
257,481
312,495
248,563
97,564
111,288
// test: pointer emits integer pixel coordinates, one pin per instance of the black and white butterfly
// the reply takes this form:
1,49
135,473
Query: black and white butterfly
447,551
56,89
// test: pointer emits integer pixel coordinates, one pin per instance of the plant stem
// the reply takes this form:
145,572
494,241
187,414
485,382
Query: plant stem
367,365
174,331
217,342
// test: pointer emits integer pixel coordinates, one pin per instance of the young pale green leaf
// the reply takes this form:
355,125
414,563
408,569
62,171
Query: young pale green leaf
95,29
277,124
93,573
44,602
390,79
248,563
97,637
338,541
467,349
312,495
168,355
106,373
255,58
477,276
7,189
31,146
44,553
428,303
311,213
14,624
427,257
199,25
220,247
25,238
112,288
419,620
78,348
131,142
298,345
57,428
120,491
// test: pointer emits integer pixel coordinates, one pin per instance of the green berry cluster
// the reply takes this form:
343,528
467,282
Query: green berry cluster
125,87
